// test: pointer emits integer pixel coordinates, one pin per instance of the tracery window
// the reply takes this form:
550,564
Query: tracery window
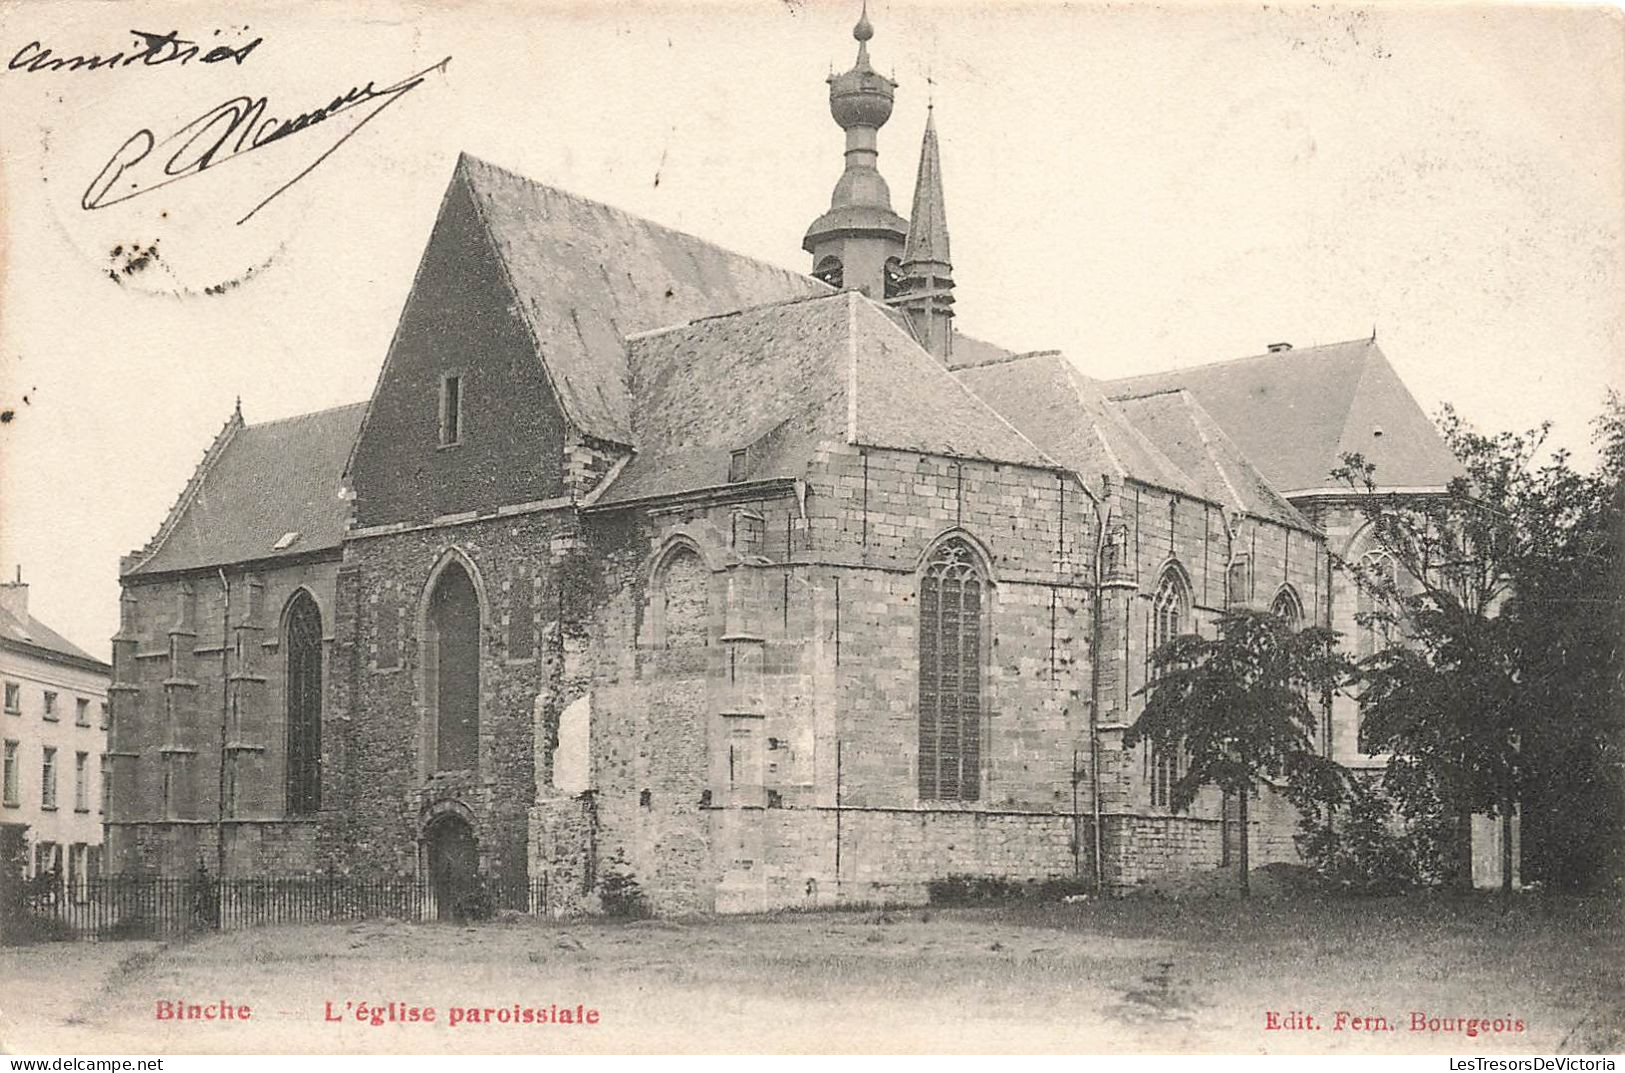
952,604
1287,608
304,706
1170,610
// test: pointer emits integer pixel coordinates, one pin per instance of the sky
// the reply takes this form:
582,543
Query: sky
1142,187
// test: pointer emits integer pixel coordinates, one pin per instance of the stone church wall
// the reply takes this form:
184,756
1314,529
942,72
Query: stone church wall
181,674
391,787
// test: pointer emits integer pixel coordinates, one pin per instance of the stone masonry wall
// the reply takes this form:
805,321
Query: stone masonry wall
184,673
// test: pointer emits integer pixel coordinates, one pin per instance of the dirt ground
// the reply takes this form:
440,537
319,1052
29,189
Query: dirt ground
1143,974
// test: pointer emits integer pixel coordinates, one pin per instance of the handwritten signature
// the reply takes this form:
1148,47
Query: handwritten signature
155,49
232,129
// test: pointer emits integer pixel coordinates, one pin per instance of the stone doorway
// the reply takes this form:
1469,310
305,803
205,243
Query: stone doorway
454,858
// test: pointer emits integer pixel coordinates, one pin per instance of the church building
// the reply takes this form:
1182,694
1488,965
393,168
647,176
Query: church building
767,589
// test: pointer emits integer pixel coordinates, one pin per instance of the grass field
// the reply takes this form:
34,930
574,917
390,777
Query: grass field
1135,974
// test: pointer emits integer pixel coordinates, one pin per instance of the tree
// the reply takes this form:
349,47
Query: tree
1502,627
1237,709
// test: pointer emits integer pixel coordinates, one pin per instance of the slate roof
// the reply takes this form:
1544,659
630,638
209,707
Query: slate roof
258,483
1193,440
1295,413
1066,415
30,635
587,276
779,380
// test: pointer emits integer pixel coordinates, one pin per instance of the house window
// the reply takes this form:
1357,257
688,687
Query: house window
81,782
50,706
81,712
12,796
451,409
14,698
453,663
47,790
304,706
1170,609
952,592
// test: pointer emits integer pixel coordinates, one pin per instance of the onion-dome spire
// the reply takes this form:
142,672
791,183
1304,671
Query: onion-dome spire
859,241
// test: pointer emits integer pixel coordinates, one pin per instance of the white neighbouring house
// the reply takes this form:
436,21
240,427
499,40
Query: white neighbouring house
54,728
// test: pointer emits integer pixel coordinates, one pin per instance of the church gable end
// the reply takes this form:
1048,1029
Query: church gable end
463,418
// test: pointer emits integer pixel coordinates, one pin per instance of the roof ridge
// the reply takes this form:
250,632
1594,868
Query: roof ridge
308,414
793,300
1225,362
1128,396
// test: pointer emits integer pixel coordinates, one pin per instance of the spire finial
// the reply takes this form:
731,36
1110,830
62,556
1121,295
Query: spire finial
239,407
864,30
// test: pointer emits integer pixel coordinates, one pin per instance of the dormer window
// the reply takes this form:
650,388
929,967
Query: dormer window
736,466
451,409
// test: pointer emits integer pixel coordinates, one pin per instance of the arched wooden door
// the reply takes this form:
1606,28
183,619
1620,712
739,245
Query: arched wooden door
453,867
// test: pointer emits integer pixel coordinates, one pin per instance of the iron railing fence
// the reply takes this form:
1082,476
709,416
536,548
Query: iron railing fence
163,907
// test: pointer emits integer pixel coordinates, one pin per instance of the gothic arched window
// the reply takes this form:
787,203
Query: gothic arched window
1375,584
452,667
1170,610
829,270
952,606
1287,608
304,704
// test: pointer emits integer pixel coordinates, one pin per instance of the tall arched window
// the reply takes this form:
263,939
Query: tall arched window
1287,608
304,702
1170,610
952,601
453,669
829,270
1375,583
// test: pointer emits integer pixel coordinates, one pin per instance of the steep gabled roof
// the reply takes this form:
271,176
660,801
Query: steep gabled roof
586,276
1188,434
30,636
1064,413
253,488
1295,413
779,380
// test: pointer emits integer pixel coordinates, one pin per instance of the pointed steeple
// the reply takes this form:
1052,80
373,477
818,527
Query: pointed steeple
927,292
928,223
858,243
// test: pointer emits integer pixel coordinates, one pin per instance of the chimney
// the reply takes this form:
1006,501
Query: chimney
14,598
1277,348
